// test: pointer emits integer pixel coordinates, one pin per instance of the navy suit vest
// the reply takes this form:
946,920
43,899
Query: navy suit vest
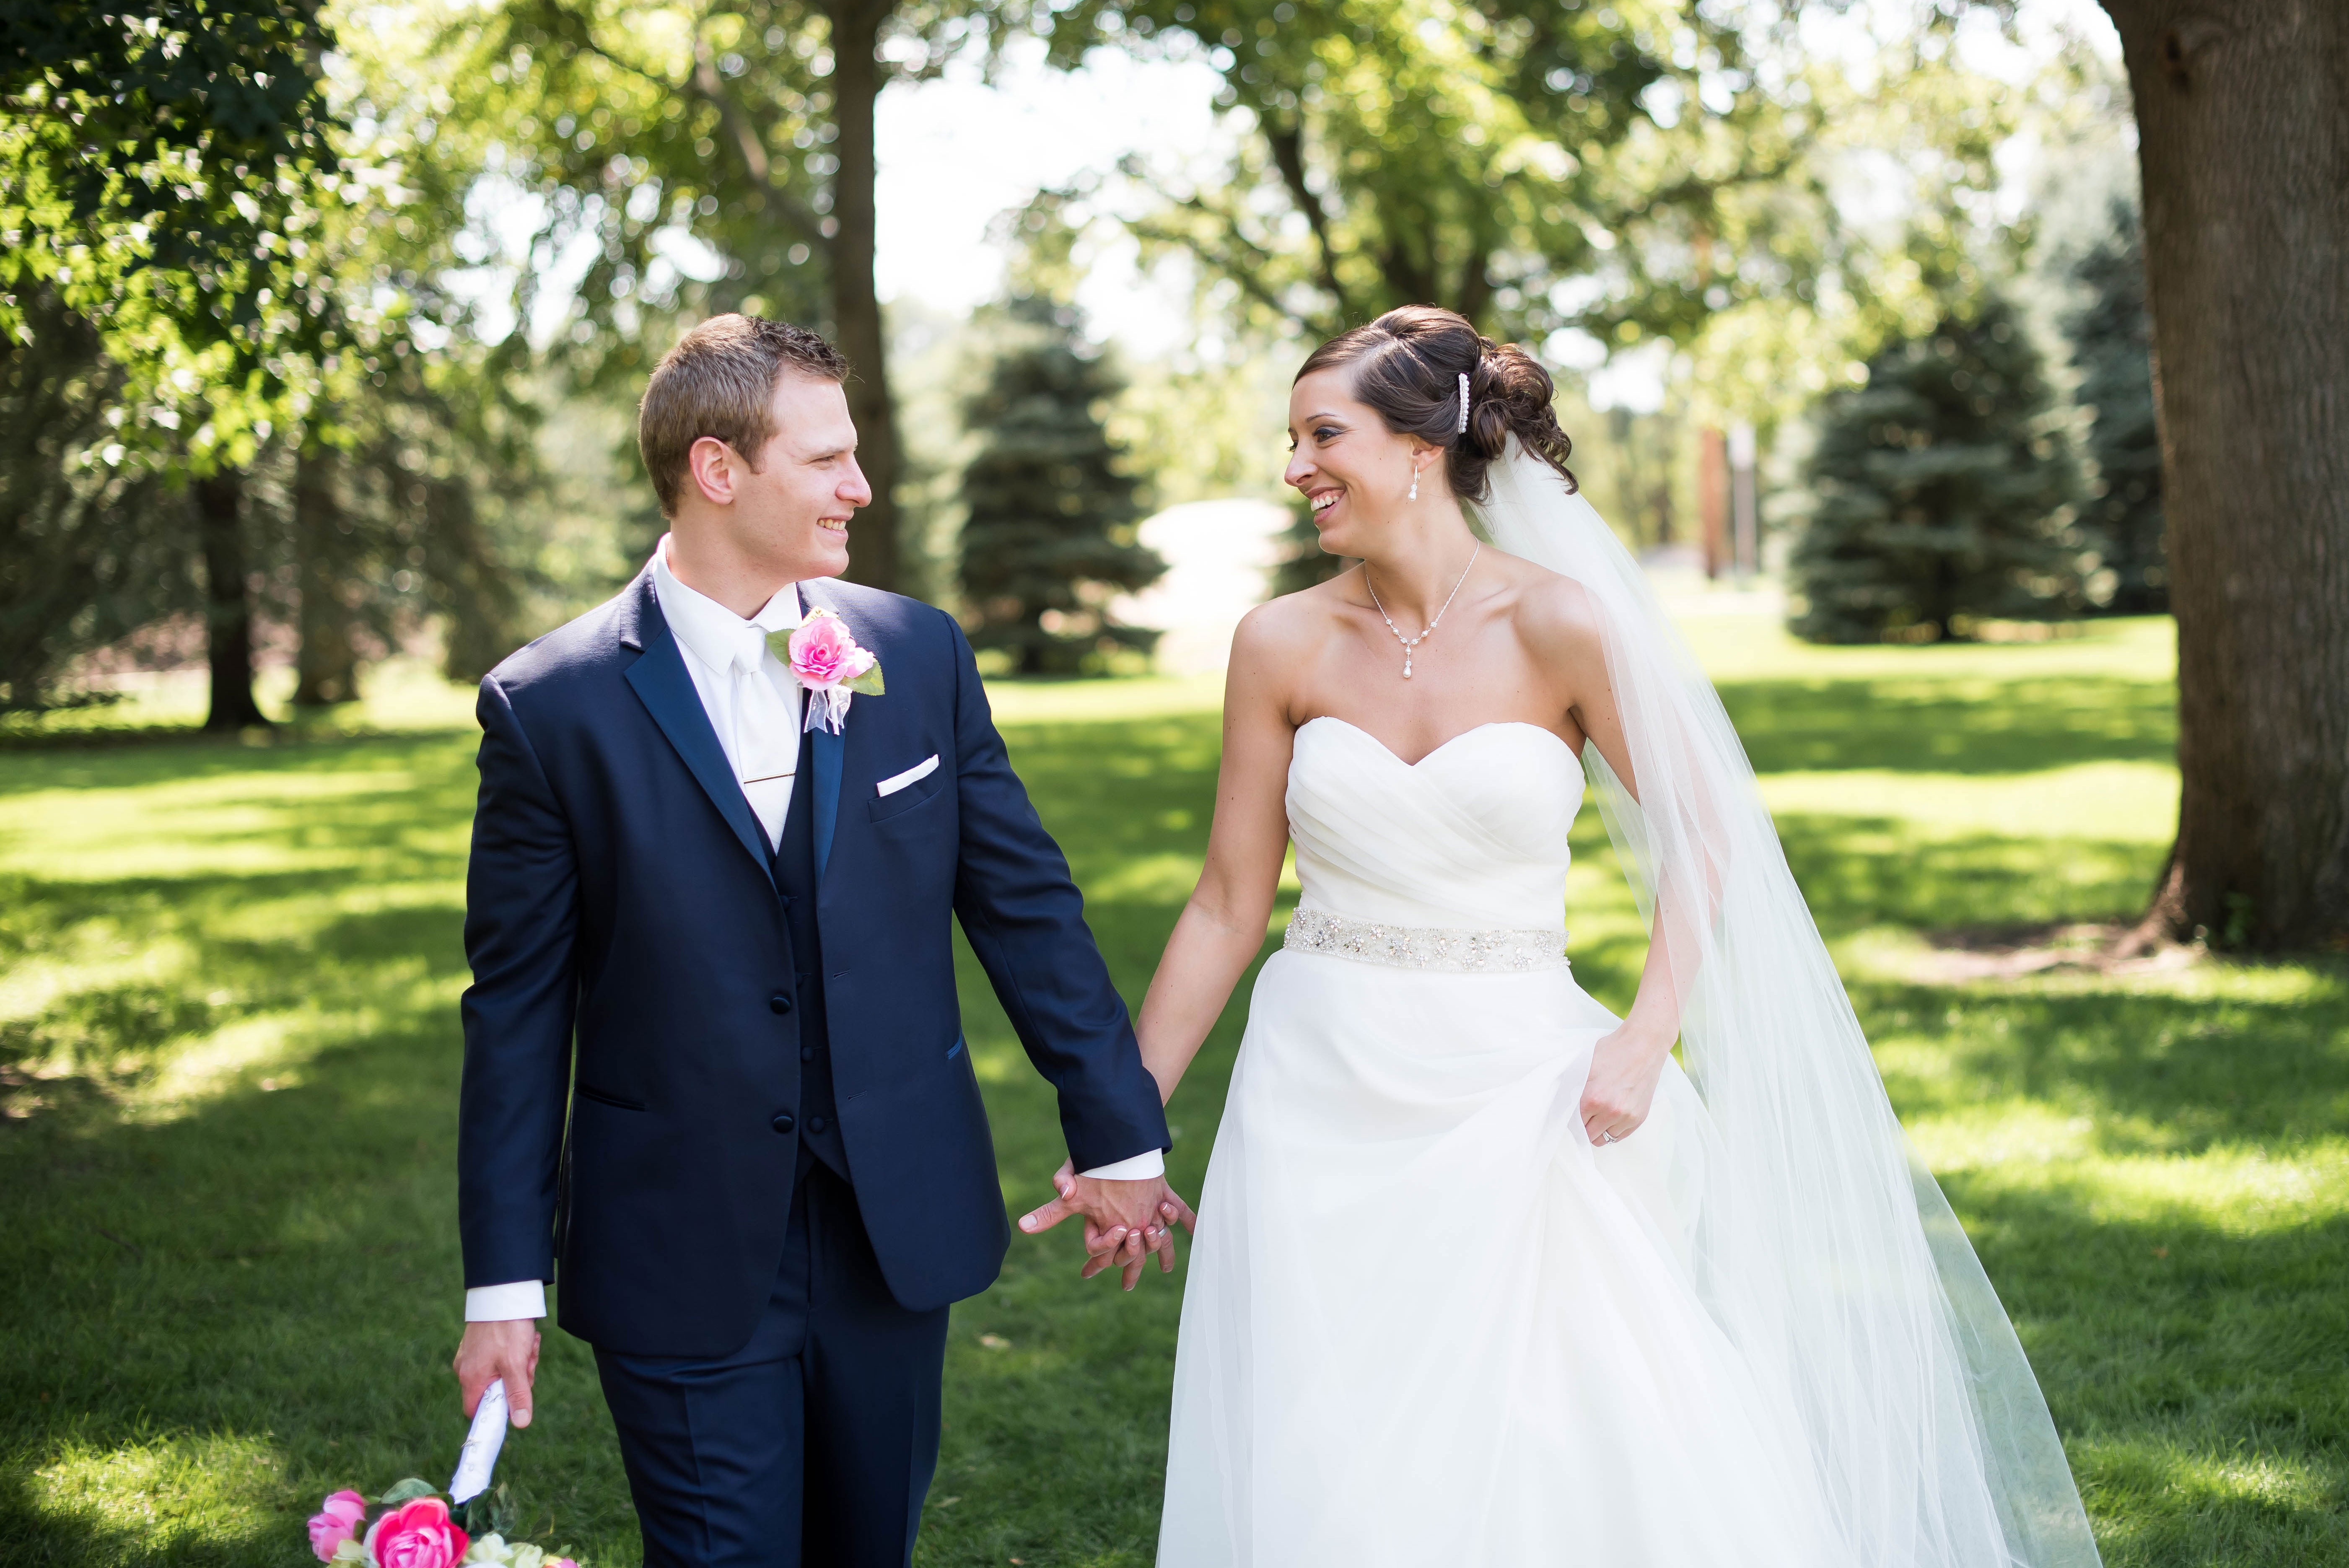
794,861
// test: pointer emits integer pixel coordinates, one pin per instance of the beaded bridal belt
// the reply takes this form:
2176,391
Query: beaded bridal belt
1424,946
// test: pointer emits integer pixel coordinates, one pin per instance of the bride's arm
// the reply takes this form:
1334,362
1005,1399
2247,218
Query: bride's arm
1223,925
1564,635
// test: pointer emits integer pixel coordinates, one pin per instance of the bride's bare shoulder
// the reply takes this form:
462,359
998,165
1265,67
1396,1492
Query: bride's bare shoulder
1292,624
1556,616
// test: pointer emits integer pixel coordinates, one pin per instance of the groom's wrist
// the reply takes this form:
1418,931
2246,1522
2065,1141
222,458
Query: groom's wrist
502,1303
1148,1165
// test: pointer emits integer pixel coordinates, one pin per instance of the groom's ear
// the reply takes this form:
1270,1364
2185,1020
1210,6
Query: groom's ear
711,467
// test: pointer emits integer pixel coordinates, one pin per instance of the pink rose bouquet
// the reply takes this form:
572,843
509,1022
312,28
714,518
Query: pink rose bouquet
337,1520
417,1534
413,1527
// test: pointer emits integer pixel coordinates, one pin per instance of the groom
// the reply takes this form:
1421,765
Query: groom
764,1170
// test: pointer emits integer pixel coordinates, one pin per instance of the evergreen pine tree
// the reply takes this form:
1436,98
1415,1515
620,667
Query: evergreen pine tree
1941,492
2112,346
1050,537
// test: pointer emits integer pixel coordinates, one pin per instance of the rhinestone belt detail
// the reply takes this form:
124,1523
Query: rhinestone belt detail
1425,946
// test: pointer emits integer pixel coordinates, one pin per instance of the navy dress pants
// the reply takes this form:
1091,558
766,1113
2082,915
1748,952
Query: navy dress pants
815,1443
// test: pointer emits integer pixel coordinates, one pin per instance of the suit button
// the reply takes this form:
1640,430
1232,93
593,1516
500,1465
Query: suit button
778,1002
783,1123
815,1124
807,1053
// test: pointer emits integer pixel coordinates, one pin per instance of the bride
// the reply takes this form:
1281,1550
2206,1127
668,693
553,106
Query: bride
1482,1275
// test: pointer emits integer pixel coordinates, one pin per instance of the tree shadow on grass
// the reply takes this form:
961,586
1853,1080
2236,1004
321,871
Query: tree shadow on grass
2195,1369
1858,872
94,1044
1951,726
36,1531
123,768
278,1268
2157,1073
262,1263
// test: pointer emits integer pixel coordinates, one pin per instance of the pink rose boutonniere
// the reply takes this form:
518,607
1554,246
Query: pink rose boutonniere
827,663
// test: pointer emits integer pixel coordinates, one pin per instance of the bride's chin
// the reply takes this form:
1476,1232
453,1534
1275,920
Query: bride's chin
1338,538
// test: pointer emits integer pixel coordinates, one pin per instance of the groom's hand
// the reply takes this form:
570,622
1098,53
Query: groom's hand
1125,1222
507,1349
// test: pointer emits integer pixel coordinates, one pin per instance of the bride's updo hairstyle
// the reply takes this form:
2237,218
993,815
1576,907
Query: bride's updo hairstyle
1407,364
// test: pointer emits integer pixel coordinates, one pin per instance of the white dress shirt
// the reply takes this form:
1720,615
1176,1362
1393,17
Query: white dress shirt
710,635
712,638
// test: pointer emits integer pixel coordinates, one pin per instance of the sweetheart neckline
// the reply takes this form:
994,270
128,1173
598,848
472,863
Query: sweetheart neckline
1445,745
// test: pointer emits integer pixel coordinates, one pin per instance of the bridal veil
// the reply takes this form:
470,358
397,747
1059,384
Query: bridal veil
1825,1250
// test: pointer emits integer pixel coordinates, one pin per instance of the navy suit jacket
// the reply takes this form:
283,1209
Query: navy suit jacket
632,1062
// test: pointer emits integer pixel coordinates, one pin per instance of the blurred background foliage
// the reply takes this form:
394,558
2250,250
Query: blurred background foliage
321,325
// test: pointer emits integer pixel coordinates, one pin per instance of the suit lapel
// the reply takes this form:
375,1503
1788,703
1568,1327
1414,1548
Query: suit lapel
666,690
830,750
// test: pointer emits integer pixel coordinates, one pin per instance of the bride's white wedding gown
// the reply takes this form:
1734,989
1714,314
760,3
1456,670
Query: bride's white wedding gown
1427,1321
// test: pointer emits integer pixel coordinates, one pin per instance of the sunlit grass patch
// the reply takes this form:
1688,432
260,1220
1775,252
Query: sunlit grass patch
1121,701
1735,648
400,694
2187,1502
160,1494
2131,803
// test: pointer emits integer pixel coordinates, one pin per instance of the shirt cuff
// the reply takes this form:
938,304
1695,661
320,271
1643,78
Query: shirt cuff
1144,1166
503,1303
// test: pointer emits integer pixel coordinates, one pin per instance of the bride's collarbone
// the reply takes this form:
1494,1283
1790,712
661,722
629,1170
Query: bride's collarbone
1476,675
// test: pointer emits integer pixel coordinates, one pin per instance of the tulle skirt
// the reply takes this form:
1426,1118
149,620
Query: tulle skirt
1427,1323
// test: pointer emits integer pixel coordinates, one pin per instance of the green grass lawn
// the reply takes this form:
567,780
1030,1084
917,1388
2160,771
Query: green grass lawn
228,985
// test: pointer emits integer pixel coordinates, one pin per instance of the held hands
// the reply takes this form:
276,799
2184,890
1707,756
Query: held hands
507,1349
1625,1068
1125,1222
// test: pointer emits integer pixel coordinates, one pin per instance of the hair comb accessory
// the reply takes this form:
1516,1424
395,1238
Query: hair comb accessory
1463,404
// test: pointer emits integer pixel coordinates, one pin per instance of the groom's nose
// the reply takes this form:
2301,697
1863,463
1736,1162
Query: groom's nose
854,489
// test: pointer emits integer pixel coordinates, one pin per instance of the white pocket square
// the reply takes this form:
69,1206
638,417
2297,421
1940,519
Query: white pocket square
913,775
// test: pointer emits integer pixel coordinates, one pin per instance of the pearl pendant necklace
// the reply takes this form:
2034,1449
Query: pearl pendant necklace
1411,644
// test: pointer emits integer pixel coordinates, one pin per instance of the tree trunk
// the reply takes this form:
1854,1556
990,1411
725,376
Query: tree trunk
857,75
2243,142
325,670
228,607
1712,497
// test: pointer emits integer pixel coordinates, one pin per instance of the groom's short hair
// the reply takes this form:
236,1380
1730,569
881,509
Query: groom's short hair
720,382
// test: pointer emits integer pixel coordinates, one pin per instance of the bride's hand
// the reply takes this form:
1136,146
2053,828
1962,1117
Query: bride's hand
1625,1068
1125,1222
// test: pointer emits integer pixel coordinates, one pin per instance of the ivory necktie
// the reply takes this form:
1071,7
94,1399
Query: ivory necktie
766,733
